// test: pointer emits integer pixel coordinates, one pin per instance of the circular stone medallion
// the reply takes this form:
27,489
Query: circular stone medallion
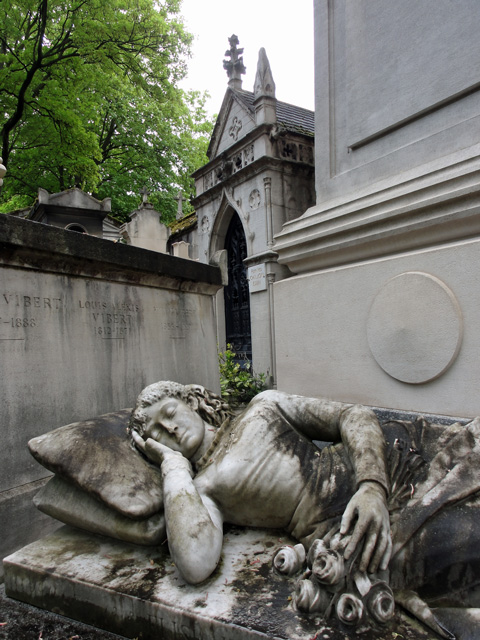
254,199
415,327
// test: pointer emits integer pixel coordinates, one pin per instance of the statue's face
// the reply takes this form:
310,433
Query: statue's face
174,424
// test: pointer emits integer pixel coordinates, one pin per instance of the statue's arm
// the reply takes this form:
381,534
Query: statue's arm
194,522
366,516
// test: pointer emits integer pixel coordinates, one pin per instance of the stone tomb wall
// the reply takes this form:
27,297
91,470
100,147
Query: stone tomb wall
402,332
386,263
85,324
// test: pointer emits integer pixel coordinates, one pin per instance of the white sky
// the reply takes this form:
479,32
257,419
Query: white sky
284,29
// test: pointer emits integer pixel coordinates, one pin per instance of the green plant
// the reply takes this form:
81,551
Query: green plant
238,382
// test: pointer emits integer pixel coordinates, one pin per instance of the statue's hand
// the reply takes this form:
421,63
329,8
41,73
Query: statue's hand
368,514
155,451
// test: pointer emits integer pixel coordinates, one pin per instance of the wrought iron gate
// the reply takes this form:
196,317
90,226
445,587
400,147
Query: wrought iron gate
237,296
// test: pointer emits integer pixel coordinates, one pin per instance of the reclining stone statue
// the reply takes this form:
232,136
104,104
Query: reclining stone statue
403,497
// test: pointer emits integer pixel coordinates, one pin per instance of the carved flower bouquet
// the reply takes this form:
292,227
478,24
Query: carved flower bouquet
332,585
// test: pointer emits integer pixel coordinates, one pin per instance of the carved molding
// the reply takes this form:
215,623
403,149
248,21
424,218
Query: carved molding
293,150
400,218
229,166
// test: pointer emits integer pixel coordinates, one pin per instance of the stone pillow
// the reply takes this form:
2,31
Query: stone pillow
96,456
69,504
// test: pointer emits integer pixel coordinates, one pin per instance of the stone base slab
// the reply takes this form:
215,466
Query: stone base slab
138,593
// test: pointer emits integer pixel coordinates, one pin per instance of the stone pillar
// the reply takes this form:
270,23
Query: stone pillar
267,185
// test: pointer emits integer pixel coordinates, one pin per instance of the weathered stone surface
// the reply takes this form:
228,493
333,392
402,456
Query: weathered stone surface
139,593
145,230
325,350
20,521
85,324
98,456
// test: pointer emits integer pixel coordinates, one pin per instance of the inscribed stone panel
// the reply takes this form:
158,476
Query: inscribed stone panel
73,348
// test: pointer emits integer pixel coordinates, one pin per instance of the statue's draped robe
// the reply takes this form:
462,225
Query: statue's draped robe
434,471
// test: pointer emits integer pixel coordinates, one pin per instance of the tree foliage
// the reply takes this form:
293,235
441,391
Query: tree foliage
89,97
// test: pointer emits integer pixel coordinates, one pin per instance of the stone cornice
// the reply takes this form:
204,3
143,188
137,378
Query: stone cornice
31,245
259,258
428,211
264,163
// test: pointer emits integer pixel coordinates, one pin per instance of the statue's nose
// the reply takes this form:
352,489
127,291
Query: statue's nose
171,428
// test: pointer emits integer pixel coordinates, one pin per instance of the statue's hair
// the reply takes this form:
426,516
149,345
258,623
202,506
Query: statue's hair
207,404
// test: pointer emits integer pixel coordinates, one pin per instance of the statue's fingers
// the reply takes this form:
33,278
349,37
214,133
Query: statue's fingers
155,450
357,535
368,549
380,549
388,553
138,440
347,518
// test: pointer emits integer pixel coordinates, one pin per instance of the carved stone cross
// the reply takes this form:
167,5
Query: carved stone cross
144,193
179,198
234,67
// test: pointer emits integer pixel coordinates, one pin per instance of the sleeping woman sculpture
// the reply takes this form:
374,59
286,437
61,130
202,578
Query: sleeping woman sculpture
401,500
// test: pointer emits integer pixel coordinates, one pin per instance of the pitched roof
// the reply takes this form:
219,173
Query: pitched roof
184,224
293,118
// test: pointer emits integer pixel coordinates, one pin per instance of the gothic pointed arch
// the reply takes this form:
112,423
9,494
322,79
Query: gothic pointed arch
236,293
228,233
227,209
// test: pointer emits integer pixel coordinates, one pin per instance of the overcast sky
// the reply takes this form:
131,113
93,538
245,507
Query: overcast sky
285,33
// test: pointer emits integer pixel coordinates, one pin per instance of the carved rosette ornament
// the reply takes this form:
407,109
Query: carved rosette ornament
254,199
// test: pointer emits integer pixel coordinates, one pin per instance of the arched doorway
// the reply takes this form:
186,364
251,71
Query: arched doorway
237,297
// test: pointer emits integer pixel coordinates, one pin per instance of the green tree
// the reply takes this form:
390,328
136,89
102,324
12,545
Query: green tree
89,98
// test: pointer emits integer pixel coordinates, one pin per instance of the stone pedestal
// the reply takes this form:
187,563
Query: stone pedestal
138,592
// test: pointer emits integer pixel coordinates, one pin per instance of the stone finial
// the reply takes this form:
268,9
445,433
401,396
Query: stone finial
234,67
264,83
265,102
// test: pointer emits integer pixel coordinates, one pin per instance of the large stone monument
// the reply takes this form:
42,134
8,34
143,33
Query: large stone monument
383,515
385,294
74,210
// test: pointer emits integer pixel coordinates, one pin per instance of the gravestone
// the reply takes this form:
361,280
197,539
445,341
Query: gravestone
145,229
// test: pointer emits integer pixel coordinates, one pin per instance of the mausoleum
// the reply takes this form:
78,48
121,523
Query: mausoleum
75,210
260,175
